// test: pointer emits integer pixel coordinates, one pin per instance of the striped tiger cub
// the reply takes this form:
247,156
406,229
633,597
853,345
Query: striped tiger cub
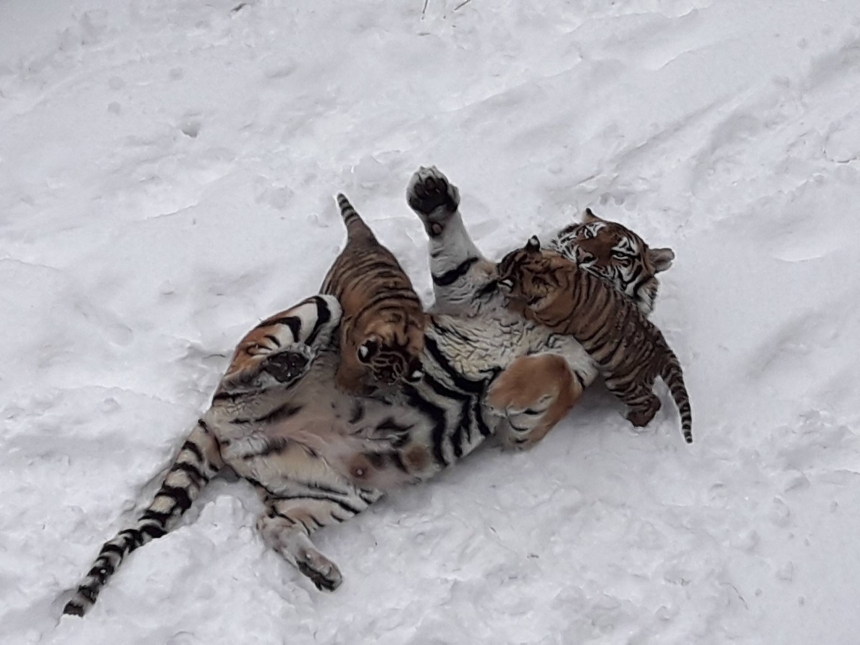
382,330
630,351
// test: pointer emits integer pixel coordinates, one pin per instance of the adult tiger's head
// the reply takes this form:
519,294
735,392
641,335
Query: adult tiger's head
529,275
616,253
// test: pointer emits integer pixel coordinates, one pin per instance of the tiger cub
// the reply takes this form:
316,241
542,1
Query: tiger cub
382,330
630,351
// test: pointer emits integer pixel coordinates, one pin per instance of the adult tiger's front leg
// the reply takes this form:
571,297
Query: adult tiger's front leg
532,395
458,269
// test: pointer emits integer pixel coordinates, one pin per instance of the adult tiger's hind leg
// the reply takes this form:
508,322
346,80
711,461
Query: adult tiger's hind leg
287,523
533,394
280,350
198,461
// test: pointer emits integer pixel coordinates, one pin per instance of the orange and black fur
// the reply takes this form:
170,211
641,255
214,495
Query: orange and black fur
630,351
382,331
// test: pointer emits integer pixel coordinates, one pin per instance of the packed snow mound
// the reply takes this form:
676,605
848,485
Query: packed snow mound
167,172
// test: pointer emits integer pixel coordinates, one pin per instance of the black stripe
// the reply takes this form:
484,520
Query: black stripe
89,592
450,277
391,425
323,316
397,460
437,416
156,516
112,548
100,572
192,447
152,530
293,322
193,472
393,294
105,563
457,437
179,495
324,488
357,412
460,381
258,484
228,396
275,445
204,427
487,289
278,414
132,539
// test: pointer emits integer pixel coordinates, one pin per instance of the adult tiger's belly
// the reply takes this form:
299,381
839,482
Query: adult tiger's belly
478,346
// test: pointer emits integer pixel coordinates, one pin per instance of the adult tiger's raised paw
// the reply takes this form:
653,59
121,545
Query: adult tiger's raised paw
433,198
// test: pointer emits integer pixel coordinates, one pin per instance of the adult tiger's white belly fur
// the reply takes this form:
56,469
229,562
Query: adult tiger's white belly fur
477,346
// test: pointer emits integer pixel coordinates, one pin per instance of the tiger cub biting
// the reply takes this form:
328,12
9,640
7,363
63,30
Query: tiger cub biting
630,351
382,329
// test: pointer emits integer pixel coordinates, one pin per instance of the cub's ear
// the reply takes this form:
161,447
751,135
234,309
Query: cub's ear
661,258
588,217
533,245
368,349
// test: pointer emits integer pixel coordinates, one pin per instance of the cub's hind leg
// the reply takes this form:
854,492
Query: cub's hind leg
288,521
639,397
198,461
533,394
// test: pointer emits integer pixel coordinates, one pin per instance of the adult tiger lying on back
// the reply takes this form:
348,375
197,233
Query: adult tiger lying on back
319,456
630,351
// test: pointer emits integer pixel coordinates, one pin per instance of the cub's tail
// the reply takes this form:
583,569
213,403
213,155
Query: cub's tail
355,226
198,461
674,378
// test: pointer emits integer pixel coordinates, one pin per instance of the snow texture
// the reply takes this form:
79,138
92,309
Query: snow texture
167,172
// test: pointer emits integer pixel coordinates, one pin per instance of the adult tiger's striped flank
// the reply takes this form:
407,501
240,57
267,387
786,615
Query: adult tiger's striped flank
382,331
629,350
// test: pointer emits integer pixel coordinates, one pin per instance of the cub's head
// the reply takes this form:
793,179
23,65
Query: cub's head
617,254
386,351
529,275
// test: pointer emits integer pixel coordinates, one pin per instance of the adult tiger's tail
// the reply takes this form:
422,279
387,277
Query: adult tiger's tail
198,461
674,378
355,226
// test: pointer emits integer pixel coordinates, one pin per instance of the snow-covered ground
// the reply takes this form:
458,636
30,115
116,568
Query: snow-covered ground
167,170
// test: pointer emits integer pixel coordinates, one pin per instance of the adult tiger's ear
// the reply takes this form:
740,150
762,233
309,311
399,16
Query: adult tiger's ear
588,217
367,350
533,245
661,258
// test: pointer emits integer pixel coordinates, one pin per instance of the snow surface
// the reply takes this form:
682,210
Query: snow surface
167,172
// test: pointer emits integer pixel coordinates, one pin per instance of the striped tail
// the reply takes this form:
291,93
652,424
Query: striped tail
198,461
674,378
354,224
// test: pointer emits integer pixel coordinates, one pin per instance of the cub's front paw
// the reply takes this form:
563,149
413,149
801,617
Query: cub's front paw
432,197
